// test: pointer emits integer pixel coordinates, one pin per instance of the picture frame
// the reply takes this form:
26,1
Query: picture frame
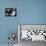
10,12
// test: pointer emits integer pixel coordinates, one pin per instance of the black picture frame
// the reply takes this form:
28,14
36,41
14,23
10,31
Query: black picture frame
10,12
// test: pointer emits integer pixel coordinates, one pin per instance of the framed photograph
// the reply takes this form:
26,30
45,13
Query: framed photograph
10,12
32,32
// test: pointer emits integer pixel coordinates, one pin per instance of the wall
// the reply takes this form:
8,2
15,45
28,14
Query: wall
28,12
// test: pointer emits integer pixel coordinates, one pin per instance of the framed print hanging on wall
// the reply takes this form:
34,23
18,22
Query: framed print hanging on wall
10,12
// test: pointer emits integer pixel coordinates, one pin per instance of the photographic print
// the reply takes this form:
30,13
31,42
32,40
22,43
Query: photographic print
10,11
29,34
